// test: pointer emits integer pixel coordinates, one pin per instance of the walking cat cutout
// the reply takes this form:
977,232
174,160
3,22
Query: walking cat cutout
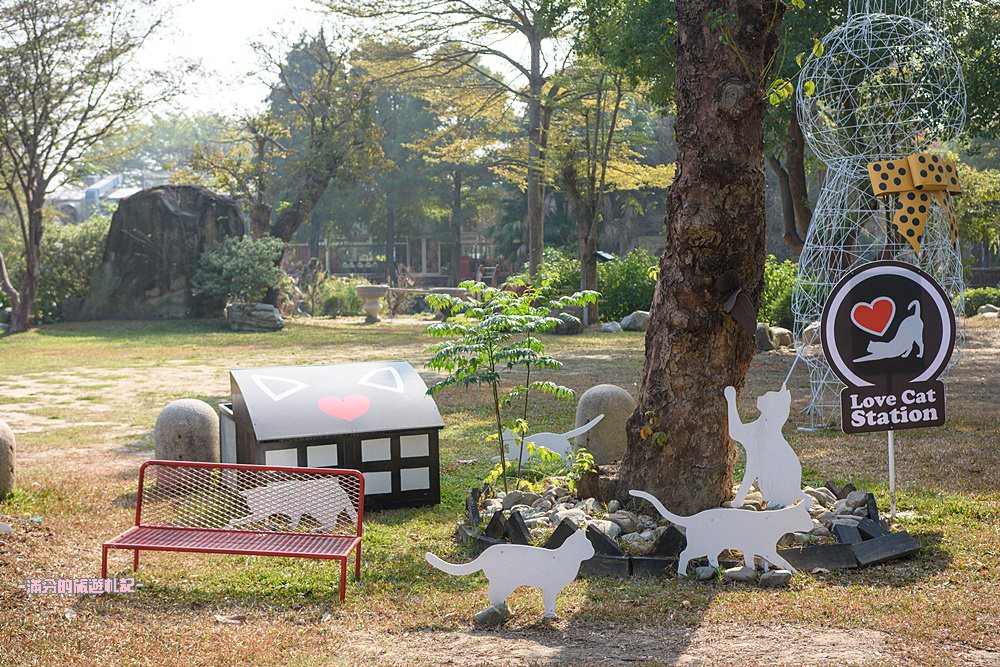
509,566
322,499
712,531
770,459
557,443
909,333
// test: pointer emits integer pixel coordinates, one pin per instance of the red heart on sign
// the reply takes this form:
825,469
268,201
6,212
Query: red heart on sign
348,408
874,317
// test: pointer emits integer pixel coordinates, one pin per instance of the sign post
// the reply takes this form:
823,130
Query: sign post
888,331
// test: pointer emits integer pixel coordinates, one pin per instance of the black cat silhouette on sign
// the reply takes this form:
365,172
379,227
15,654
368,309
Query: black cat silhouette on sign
888,331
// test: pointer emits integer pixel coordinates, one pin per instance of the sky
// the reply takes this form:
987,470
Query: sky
219,34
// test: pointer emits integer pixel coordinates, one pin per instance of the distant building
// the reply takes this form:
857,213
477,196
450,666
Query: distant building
75,205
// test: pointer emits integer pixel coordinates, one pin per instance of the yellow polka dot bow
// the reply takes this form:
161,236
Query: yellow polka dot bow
915,180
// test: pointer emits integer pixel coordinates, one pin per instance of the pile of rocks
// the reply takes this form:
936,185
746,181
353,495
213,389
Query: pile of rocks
847,531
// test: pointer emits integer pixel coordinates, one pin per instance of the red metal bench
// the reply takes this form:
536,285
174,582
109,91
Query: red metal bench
246,509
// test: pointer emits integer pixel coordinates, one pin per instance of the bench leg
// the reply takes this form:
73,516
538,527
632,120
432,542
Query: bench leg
135,560
357,563
104,562
343,578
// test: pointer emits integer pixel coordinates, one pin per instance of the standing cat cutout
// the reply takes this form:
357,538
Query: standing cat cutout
557,443
909,333
509,566
712,531
770,459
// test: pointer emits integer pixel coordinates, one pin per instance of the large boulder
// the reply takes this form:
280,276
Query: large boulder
782,337
987,308
606,440
187,430
637,321
152,251
570,321
763,338
6,459
254,317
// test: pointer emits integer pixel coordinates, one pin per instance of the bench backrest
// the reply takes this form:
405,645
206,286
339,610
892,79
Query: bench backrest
229,496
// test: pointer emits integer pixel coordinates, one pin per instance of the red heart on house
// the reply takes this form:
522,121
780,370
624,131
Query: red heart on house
874,317
348,408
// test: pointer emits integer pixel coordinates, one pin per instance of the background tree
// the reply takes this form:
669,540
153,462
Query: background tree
473,31
67,80
715,224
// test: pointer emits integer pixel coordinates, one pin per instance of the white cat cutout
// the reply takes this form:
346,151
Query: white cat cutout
557,443
712,531
510,566
770,459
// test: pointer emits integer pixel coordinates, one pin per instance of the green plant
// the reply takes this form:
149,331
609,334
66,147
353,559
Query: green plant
626,284
239,269
776,301
341,298
312,281
583,463
70,255
977,297
493,331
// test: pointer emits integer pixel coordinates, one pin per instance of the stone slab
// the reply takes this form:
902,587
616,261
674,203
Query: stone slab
497,527
885,548
517,529
561,534
826,556
871,529
602,543
607,566
846,534
651,566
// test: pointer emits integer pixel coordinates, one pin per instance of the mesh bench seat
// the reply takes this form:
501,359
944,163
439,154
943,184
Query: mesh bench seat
248,510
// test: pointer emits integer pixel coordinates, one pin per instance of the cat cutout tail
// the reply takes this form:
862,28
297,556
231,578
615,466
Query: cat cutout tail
583,429
452,568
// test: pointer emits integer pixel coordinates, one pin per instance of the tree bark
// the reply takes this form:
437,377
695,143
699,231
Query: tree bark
22,307
536,216
390,247
715,222
791,235
456,224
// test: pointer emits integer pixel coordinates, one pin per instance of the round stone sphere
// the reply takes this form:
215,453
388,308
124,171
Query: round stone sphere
187,430
6,459
883,87
606,440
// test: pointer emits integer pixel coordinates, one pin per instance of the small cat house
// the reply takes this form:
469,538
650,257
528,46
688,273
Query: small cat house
374,417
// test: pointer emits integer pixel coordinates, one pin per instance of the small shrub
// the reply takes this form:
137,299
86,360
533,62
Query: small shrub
980,296
70,255
626,284
239,269
340,299
776,301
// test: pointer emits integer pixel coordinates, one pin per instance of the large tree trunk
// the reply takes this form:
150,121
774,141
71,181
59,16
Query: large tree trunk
791,231
581,210
456,225
536,216
794,187
715,222
22,307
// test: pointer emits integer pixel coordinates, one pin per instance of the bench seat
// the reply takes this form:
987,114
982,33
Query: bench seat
210,540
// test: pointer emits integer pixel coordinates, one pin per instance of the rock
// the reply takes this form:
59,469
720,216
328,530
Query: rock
634,544
782,337
187,430
606,439
511,499
820,531
613,506
588,505
626,521
705,572
987,308
840,505
763,339
646,522
609,528
492,616
254,317
857,499
823,496
811,334
669,542
6,529
802,539
7,460
611,327
827,517
492,504
745,574
637,321
775,579
577,516
152,251
528,498
543,504
602,543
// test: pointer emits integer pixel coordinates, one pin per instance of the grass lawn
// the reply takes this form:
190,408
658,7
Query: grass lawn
83,398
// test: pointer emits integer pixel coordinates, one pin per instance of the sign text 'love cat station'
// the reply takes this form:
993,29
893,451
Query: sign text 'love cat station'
888,331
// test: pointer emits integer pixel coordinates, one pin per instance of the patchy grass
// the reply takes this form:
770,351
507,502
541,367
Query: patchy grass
83,399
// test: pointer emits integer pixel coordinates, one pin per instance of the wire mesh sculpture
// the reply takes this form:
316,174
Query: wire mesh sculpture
886,85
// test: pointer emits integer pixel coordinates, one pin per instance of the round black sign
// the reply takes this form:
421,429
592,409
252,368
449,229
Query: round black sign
886,325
